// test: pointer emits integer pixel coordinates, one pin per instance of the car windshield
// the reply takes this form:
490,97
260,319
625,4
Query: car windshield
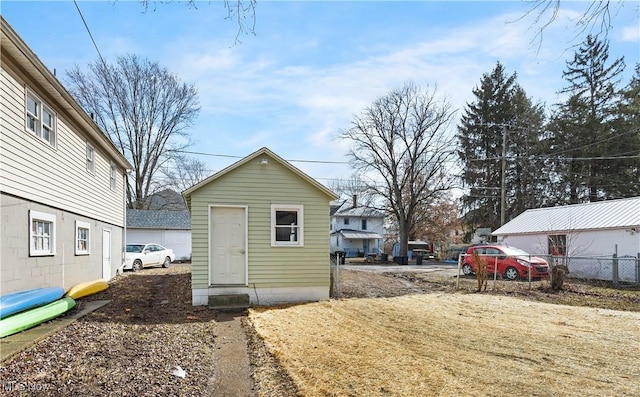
135,247
512,251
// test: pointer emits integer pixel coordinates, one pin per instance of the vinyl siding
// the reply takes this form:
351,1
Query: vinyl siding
55,177
258,187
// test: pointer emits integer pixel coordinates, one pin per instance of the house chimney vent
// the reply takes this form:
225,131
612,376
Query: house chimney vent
355,201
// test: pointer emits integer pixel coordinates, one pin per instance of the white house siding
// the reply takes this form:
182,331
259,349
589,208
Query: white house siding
52,180
178,240
60,179
592,250
65,269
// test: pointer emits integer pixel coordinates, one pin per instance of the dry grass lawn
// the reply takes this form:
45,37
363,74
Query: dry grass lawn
453,345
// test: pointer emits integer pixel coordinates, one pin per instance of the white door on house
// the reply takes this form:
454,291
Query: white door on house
106,254
228,246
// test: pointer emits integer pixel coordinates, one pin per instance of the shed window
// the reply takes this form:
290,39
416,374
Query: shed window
287,225
557,244
42,235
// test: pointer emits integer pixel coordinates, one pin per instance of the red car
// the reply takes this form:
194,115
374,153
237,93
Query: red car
513,263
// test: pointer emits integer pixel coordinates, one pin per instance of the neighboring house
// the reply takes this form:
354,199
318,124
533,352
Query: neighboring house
171,229
166,199
259,227
356,230
62,190
597,229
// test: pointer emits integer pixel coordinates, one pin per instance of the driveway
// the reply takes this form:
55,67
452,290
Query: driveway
426,267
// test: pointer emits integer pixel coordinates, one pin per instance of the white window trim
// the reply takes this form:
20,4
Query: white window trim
91,166
41,216
287,207
52,141
83,225
113,175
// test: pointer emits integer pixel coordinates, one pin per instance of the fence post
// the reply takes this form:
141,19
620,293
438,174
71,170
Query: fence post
614,269
495,273
638,268
459,267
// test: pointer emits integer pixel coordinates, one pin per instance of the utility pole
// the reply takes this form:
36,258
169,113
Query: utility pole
502,176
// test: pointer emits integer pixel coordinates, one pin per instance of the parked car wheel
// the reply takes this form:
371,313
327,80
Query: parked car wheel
137,265
511,273
467,270
167,262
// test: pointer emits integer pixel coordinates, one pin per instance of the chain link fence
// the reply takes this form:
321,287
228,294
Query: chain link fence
335,290
619,271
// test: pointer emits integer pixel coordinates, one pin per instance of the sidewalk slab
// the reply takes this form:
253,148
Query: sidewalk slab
232,375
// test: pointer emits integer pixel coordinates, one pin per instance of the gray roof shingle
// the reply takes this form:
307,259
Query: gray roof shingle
158,219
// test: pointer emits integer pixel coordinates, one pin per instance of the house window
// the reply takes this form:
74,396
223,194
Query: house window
91,158
287,225
557,244
42,234
346,221
364,224
40,119
113,176
82,238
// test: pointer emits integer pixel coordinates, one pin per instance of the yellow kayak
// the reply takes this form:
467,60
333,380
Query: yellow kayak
87,288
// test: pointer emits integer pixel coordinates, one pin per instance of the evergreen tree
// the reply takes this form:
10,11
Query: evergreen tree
625,171
582,131
500,112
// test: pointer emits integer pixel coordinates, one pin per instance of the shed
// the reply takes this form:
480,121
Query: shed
589,229
171,229
259,228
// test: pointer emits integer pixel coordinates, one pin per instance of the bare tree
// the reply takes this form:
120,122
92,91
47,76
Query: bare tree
597,16
402,146
354,186
184,172
242,11
143,108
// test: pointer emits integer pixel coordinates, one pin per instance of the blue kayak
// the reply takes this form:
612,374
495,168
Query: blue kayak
16,302
32,317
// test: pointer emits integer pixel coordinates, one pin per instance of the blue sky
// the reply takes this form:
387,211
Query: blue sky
312,65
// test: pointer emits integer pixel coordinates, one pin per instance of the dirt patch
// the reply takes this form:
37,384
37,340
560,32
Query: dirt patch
130,347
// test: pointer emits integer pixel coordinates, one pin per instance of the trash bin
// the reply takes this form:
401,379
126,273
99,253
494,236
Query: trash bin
401,260
384,257
419,259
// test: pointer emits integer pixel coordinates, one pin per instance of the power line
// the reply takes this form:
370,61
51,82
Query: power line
89,31
241,157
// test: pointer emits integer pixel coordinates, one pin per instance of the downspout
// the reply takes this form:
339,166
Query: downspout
120,269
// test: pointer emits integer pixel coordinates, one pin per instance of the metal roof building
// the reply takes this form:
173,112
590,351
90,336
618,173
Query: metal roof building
600,215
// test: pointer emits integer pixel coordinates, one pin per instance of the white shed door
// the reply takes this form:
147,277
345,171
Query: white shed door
228,247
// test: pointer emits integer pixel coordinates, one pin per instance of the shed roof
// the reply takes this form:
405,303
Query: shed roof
610,214
260,152
158,219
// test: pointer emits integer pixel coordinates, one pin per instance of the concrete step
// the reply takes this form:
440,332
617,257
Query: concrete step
230,302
